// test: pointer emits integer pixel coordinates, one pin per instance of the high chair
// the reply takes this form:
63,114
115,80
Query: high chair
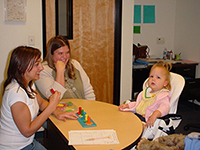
166,125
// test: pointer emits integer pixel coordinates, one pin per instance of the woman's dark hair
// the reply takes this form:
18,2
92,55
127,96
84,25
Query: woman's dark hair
22,59
52,45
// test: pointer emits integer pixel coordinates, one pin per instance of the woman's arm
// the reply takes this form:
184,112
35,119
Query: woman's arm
46,82
88,89
60,69
61,115
28,127
22,116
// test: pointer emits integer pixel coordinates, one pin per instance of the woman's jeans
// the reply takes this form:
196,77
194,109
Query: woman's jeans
35,145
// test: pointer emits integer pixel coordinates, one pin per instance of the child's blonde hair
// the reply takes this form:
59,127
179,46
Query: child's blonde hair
167,67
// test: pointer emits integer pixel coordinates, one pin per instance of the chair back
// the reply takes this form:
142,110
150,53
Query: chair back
177,85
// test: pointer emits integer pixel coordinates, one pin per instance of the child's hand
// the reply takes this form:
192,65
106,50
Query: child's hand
123,106
150,122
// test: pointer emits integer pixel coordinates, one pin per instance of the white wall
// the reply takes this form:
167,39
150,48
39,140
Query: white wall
126,50
176,20
163,26
14,34
187,32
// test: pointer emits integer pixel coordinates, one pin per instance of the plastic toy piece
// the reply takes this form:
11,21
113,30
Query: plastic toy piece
69,103
84,119
66,106
81,115
52,91
89,121
60,105
84,113
69,110
79,111
60,108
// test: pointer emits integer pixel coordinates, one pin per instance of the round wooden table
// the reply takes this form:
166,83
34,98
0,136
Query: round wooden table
107,116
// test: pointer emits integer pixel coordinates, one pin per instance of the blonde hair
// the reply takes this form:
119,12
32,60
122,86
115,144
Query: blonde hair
166,67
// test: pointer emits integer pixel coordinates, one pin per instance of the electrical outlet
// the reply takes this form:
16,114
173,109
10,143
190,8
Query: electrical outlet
31,39
160,40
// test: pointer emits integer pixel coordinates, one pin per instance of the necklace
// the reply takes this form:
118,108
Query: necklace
70,83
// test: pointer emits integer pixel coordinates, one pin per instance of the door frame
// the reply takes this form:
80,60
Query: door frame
117,46
117,52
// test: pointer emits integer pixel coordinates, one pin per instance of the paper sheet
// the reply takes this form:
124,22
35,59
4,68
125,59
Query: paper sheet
149,14
137,13
93,137
15,10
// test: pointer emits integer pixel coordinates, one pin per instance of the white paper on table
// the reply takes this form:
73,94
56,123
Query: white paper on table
101,137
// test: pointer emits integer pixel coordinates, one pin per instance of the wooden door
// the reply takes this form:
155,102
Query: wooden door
93,41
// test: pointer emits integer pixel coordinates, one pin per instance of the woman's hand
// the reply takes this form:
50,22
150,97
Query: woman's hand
62,115
60,69
123,106
54,99
60,65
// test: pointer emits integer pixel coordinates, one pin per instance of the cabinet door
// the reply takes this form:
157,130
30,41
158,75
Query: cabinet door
187,72
139,76
189,84
56,140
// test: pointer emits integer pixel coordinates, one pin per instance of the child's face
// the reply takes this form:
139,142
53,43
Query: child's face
157,79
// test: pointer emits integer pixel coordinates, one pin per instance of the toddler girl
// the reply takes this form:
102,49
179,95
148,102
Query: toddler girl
153,101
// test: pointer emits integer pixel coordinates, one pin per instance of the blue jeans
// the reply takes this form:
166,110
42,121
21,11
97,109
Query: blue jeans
35,145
